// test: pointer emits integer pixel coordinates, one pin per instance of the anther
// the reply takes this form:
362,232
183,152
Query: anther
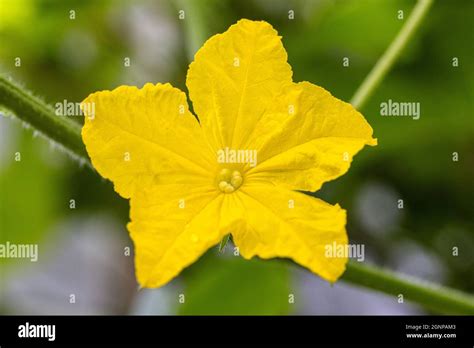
228,181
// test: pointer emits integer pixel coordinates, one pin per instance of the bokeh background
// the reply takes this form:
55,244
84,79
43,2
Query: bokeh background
84,266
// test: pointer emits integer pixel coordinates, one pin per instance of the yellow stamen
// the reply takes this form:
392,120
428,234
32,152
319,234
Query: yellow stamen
228,180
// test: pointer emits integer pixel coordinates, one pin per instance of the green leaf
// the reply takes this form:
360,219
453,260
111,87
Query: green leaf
230,285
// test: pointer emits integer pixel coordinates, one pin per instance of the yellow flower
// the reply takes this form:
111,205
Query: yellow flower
259,140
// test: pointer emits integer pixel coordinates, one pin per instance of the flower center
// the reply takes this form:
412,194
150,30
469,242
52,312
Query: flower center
229,180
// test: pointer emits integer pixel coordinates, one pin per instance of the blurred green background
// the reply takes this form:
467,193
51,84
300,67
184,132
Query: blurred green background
84,264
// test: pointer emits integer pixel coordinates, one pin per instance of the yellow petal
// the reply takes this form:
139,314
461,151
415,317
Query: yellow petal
233,79
172,226
283,223
140,137
307,137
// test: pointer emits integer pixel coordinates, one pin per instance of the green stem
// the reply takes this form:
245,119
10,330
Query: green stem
223,243
41,116
194,25
432,296
389,57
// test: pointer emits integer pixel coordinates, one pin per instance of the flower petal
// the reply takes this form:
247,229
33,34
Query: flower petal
283,223
171,226
234,77
138,137
307,137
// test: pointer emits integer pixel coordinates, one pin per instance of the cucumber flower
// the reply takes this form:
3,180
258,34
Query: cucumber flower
235,166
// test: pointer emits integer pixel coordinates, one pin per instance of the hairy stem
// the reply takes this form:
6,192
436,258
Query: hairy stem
378,72
432,296
41,116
